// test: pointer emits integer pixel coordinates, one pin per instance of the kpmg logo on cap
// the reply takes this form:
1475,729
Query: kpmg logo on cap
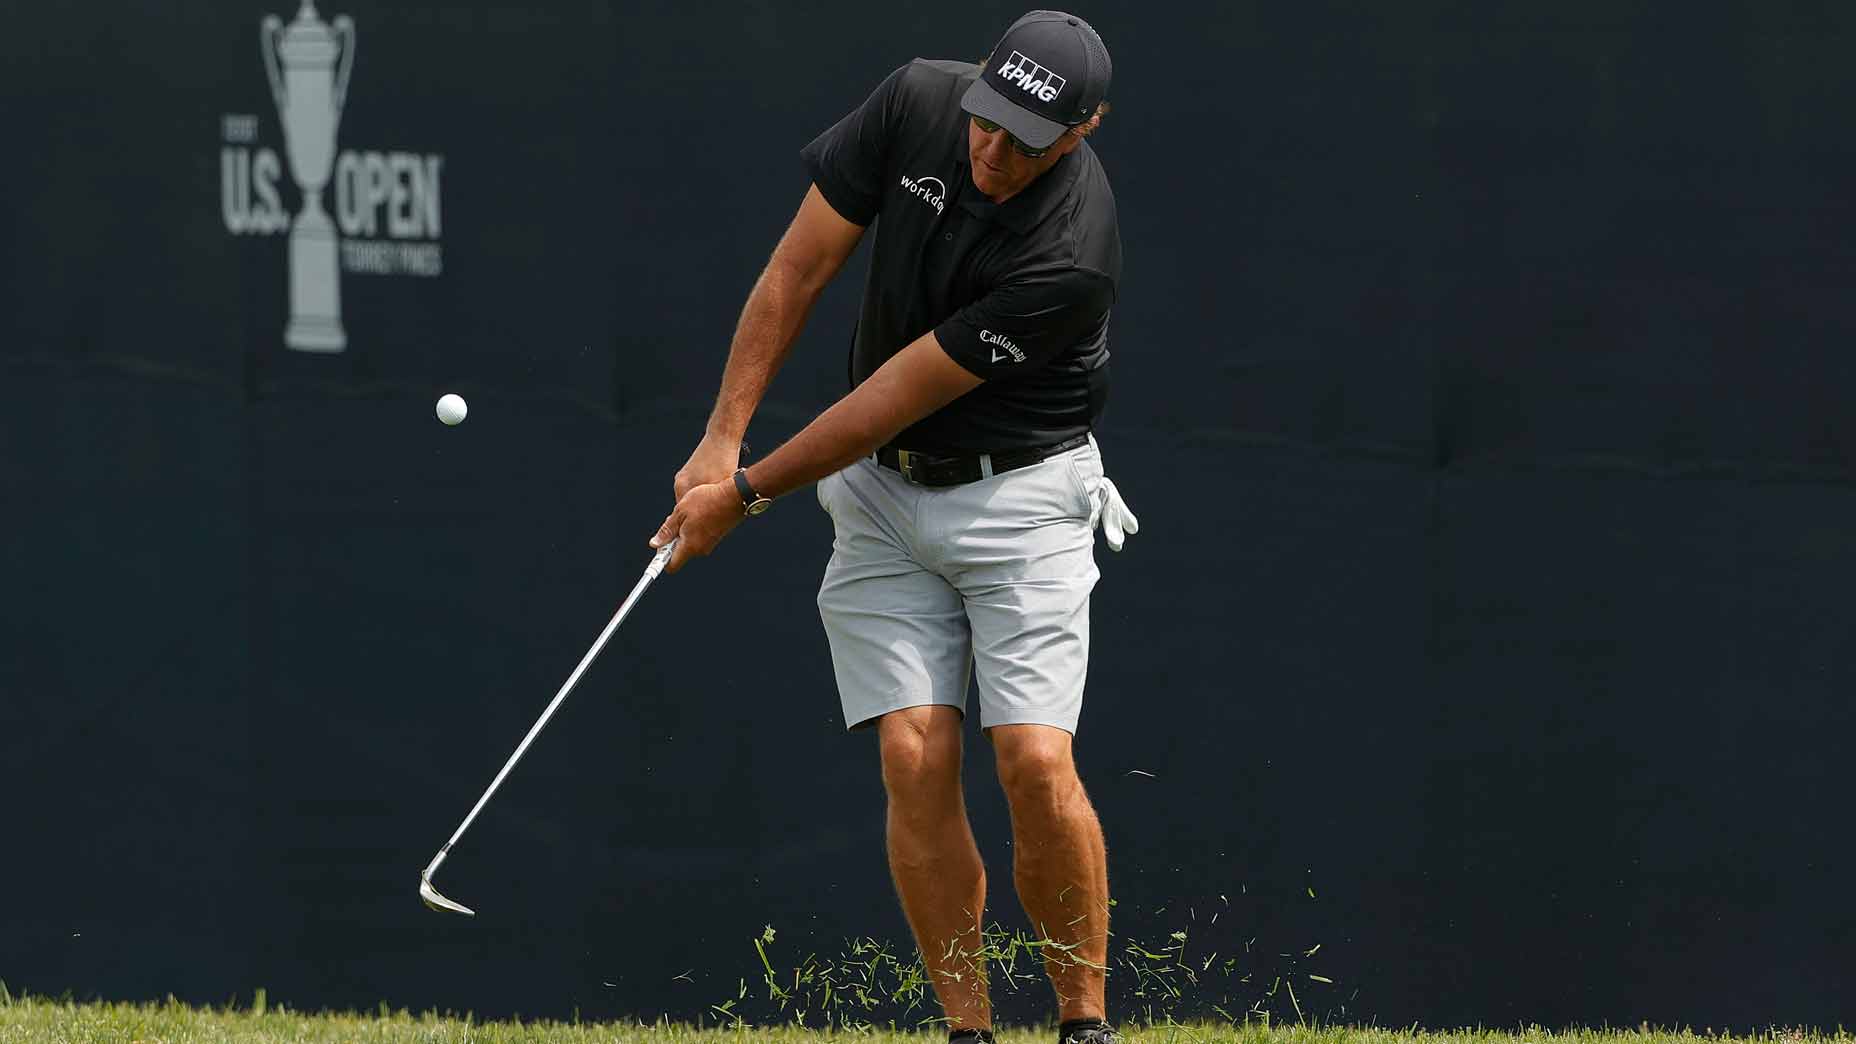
1032,78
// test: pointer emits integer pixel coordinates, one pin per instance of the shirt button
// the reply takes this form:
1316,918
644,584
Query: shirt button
949,236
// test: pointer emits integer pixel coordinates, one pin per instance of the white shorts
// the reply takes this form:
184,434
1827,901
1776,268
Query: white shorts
928,583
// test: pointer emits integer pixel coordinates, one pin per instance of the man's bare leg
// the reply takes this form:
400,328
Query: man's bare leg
1061,867
933,858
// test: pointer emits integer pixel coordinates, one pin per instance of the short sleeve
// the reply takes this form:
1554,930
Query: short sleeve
847,161
1023,324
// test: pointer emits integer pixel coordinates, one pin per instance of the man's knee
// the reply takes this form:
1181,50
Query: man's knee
921,752
1035,765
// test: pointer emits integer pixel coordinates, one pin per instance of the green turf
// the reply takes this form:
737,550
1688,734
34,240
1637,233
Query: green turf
35,1020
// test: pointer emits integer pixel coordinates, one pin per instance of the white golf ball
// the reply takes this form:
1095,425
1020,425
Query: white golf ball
451,409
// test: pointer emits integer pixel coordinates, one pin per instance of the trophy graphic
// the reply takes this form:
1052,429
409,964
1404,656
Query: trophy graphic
309,93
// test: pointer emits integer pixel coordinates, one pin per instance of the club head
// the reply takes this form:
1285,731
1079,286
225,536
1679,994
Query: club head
439,902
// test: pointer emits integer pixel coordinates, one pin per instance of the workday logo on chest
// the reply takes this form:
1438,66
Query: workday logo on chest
929,190
386,214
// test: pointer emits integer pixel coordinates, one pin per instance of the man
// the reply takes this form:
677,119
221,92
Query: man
960,474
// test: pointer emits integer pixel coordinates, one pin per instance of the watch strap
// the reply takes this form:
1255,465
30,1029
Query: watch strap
752,503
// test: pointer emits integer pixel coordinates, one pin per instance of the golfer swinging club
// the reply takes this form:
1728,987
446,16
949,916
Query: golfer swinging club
959,473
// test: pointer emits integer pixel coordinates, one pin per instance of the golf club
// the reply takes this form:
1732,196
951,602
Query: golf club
426,890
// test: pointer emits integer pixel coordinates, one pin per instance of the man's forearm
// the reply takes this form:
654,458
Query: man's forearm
854,427
770,322
916,382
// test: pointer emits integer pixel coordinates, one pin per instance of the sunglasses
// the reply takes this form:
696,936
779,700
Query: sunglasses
1017,146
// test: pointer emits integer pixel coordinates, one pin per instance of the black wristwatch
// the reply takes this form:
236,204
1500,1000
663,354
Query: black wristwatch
752,503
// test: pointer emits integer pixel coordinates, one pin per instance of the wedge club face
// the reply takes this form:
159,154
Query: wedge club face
438,902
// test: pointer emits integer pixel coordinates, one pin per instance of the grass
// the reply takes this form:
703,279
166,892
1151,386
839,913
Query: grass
39,1021
33,1020
873,984
871,993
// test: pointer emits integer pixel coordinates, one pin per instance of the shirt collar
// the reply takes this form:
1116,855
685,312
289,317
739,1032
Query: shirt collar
1022,212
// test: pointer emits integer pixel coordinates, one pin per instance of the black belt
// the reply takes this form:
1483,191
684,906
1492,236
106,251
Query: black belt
929,469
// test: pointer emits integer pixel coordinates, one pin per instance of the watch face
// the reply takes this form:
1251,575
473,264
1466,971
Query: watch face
759,506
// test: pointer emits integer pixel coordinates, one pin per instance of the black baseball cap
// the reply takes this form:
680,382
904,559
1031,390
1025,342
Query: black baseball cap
1046,75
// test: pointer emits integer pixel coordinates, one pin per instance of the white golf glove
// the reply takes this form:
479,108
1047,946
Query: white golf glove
1118,523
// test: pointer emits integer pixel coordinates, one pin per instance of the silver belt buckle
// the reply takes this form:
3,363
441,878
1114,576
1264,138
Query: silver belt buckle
904,465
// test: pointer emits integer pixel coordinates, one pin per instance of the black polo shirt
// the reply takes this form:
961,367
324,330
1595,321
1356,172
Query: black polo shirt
1018,293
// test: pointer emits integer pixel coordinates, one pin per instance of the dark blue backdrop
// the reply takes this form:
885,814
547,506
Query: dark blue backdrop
1483,383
